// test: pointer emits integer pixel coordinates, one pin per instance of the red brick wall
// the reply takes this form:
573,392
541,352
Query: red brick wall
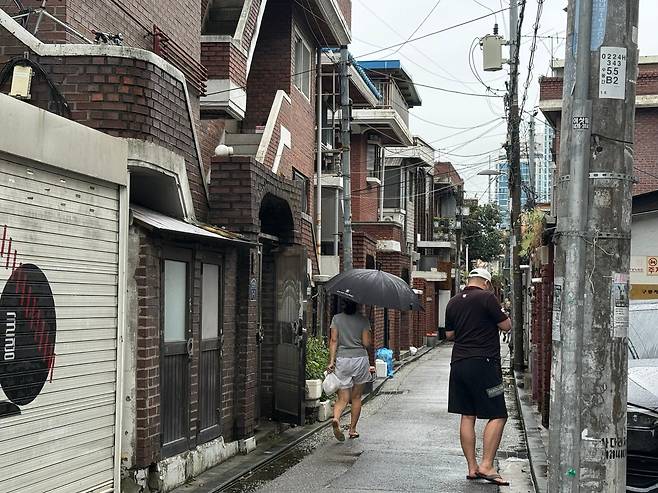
210,133
147,277
646,150
126,98
646,129
382,230
365,197
229,347
224,60
271,66
49,32
426,320
246,349
178,18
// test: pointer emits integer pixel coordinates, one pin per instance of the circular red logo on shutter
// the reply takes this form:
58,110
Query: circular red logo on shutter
27,334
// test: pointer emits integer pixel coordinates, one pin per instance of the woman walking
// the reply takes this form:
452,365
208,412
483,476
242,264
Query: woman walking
348,358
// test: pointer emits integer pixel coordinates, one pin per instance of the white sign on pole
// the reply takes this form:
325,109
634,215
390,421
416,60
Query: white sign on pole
612,73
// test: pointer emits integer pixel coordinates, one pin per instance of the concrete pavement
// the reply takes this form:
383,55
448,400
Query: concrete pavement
408,443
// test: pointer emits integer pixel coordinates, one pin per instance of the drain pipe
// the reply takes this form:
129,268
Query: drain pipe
318,157
382,152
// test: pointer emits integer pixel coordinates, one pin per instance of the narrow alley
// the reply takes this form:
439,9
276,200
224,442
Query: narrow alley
408,443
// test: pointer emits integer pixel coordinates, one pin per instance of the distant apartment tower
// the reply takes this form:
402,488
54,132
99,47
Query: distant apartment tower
545,165
502,188
543,175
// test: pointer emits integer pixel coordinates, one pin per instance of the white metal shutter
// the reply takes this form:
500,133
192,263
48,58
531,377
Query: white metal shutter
63,440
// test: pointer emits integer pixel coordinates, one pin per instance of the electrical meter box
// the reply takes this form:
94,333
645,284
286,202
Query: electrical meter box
492,52
21,82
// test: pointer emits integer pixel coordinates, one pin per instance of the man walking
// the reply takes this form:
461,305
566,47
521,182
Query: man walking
474,318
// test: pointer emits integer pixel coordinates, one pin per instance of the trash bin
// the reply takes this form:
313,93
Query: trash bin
431,339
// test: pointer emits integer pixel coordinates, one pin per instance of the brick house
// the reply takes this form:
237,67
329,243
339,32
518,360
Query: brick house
392,181
218,242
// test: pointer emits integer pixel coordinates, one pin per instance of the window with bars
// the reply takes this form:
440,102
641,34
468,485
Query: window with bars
297,176
374,160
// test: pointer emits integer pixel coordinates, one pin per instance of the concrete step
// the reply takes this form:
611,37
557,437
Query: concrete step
243,139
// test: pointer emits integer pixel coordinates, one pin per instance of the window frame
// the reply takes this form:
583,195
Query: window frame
306,76
305,203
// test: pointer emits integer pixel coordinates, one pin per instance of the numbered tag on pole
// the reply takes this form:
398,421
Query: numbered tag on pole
612,73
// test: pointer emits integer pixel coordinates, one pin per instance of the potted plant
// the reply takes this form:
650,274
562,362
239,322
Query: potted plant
317,359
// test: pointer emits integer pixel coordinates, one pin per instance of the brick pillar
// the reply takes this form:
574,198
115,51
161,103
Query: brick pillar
147,280
246,346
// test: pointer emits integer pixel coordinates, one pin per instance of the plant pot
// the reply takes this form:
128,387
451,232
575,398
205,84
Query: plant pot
313,389
325,411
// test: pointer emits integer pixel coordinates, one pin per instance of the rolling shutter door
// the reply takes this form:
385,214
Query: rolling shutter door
58,326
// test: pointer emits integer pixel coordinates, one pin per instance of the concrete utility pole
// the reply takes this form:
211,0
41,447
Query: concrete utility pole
590,318
514,180
532,165
345,135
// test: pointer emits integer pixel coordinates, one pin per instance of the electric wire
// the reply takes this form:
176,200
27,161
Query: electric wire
434,33
533,49
418,28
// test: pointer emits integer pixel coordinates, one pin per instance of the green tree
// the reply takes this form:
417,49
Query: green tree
481,230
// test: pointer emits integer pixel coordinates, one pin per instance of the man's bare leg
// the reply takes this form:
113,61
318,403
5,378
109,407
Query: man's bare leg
493,433
467,439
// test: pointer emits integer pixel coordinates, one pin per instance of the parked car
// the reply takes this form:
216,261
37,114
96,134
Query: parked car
642,415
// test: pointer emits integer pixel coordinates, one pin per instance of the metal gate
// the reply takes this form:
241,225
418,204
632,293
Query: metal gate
59,253
290,352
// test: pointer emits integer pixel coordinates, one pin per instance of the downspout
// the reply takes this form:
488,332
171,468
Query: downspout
318,158
337,221
382,174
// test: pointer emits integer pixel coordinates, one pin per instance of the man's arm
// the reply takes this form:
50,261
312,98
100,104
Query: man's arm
333,347
450,335
505,325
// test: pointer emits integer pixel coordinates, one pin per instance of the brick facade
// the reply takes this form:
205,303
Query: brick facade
365,196
382,230
147,278
646,127
128,98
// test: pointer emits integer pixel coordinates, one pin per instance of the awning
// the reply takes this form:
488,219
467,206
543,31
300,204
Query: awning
161,222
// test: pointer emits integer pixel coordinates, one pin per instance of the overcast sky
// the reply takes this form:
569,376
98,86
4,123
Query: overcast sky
442,60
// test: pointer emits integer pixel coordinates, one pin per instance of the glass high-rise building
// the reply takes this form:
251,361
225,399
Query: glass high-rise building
543,175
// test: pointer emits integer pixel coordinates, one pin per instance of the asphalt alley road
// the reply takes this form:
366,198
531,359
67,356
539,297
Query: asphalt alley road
408,443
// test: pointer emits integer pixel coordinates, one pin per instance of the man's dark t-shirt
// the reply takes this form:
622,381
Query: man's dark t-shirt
474,315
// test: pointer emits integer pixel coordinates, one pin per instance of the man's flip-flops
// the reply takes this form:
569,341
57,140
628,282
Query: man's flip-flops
493,478
354,435
471,478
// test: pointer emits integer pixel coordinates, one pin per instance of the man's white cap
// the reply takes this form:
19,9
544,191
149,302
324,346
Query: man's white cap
483,273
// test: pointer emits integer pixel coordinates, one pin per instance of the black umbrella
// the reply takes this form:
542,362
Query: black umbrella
374,287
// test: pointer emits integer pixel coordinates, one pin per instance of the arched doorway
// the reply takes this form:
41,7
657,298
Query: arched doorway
281,362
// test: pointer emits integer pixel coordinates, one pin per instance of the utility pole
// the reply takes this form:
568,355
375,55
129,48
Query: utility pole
590,318
532,164
514,180
345,136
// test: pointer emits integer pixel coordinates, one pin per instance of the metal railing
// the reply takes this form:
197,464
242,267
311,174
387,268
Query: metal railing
392,98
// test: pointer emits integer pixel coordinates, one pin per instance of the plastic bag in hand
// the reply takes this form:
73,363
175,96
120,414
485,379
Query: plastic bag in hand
330,384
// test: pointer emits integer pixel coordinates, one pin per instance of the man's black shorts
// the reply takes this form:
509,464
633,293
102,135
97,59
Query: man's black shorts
476,388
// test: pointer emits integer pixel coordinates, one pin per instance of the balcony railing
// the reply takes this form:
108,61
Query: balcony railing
445,228
393,98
